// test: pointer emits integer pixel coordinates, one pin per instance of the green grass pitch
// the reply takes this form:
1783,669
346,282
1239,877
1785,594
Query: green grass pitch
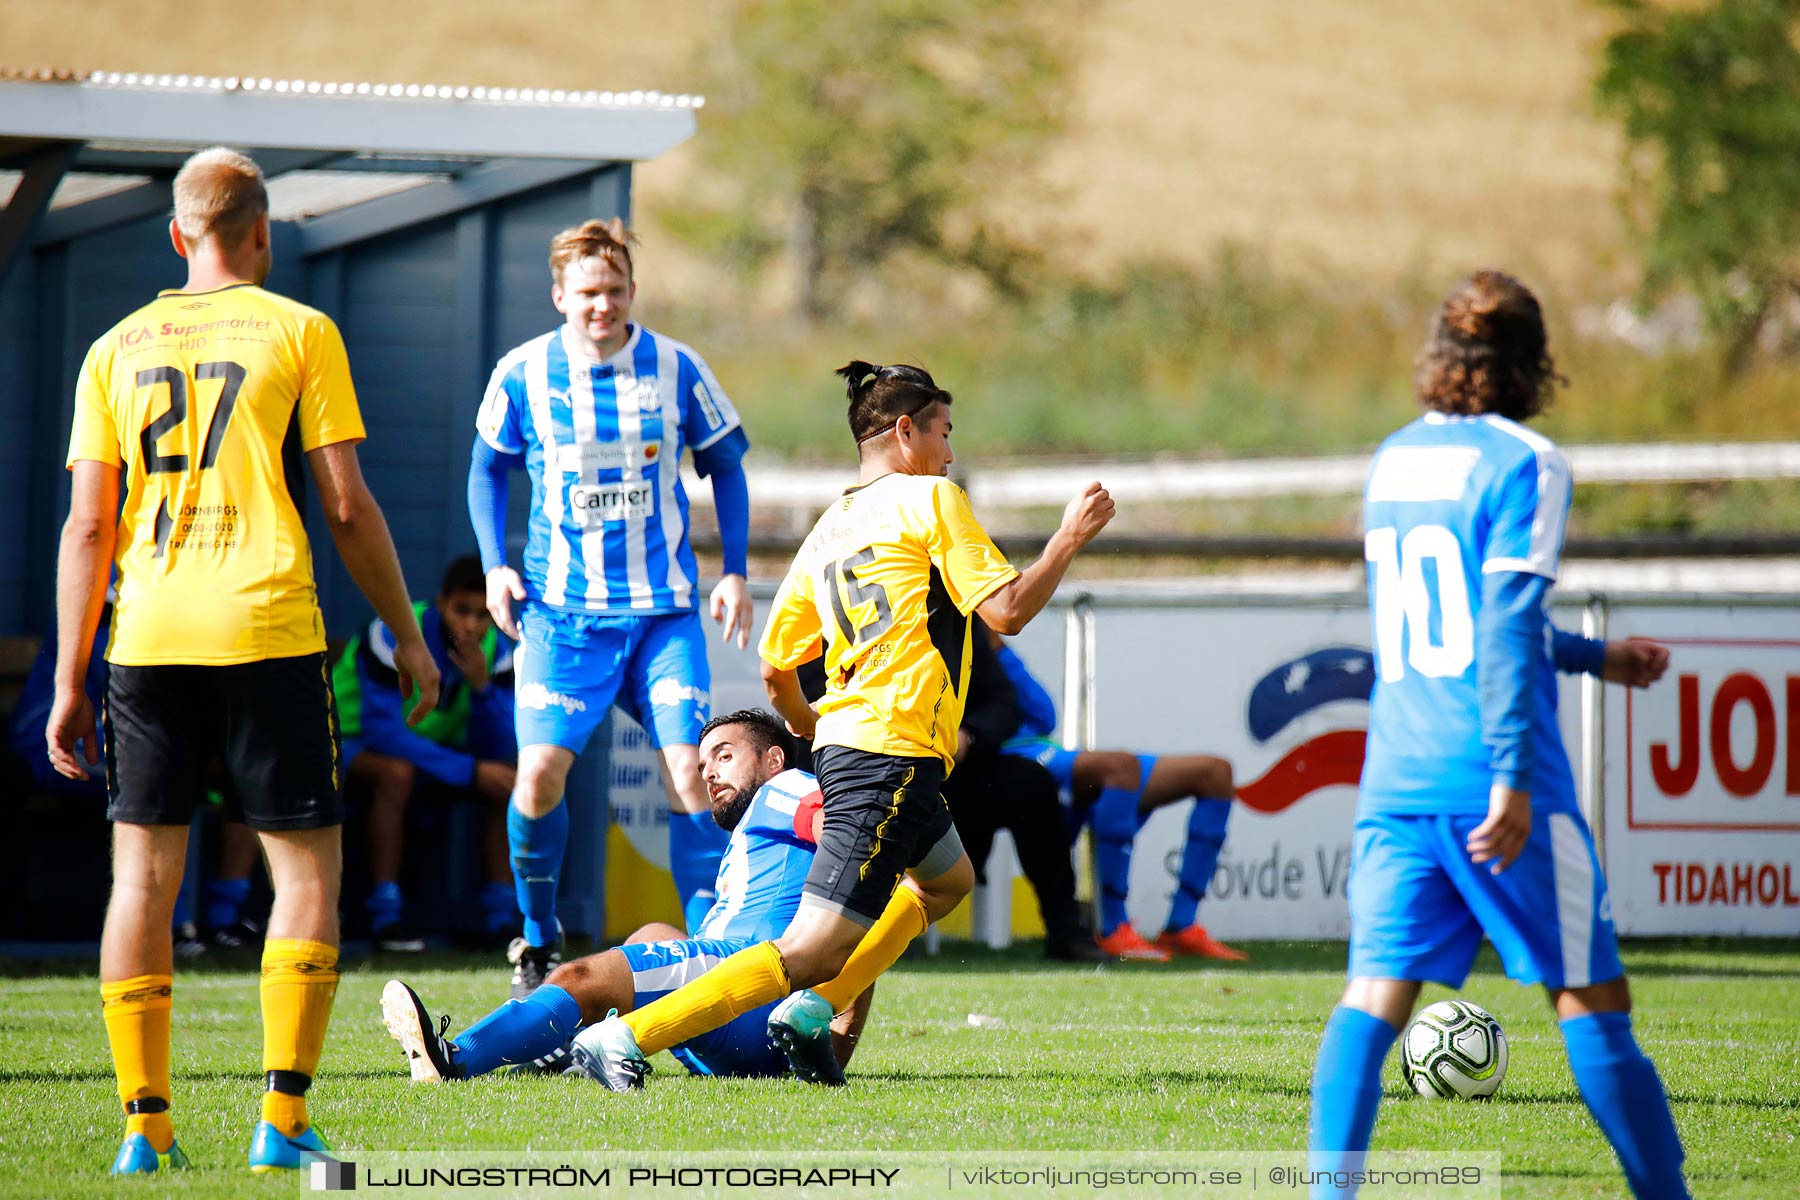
1187,1057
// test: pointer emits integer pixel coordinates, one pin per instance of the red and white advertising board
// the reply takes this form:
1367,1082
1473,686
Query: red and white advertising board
1702,830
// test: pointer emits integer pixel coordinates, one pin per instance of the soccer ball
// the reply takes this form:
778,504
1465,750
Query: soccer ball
1454,1048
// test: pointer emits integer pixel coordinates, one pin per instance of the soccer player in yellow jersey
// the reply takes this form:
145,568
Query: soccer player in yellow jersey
884,587
200,405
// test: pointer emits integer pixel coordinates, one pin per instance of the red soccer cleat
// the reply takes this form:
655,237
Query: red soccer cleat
1125,943
1195,941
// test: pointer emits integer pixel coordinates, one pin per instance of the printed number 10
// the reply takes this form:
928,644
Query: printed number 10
1403,603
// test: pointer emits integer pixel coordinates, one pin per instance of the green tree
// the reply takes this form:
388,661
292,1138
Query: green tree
852,131
1709,100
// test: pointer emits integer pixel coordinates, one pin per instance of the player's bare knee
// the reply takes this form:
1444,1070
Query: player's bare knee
1391,1000
539,787
1218,781
1115,769
1612,996
393,778
810,960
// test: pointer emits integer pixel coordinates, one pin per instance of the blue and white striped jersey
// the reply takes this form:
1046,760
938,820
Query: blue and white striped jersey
766,861
602,442
1449,502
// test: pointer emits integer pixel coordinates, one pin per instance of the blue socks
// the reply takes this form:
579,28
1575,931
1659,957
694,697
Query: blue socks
499,906
1628,1102
519,1031
1346,1089
385,905
1205,838
225,901
1114,820
696,843
537,846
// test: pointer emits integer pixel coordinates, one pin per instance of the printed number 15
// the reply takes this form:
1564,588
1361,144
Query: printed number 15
859,593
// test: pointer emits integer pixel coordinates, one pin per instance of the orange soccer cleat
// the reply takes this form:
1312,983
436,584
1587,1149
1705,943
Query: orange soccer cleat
1195,941
1125,943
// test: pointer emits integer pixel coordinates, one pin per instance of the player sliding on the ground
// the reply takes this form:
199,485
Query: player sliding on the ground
1113,792
1467,822
773,814
884,585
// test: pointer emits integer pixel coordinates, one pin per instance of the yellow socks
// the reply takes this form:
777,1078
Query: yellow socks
901,921
137,1024
299,979
748,979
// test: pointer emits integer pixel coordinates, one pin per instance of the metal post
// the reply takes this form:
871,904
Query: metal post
1080,720
1593,732
1075,670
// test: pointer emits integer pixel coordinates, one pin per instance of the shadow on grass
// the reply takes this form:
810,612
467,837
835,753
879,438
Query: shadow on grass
96,1075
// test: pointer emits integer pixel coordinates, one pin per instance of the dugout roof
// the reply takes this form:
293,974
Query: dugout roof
81,152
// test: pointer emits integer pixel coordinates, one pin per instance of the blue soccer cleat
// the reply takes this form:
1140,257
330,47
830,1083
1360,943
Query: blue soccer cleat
273,1150
608,1053
800,1027
138,1157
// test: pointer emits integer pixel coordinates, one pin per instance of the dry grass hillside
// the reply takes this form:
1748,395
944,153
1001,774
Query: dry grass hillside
1384,138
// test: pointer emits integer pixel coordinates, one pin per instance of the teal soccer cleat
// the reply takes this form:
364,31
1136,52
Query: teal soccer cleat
273,1150
800,1027
137,1157
608,1053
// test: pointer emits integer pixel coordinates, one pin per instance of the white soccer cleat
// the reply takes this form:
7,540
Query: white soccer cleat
428,1055
608,1053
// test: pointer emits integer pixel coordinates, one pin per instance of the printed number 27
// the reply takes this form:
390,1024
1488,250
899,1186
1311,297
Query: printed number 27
157,463
859,593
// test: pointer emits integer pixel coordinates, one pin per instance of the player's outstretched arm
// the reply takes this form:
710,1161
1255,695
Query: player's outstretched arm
363,542
1011,607
84,561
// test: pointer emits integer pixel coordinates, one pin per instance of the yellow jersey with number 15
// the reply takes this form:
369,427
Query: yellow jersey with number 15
206,401
887,580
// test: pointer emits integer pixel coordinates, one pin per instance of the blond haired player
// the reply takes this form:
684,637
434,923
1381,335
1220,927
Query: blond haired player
203,402
884,587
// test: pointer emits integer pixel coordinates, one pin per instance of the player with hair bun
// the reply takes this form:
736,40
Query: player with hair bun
884,587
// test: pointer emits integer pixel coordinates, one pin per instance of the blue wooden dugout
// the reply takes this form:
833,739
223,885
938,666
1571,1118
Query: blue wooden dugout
418,217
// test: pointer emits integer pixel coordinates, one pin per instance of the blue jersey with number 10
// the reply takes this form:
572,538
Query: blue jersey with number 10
1451,501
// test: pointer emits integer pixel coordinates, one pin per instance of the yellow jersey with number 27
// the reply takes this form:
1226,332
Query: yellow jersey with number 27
206,401
887,580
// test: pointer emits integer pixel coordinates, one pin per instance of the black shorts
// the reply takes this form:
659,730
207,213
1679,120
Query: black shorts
883,814
272,725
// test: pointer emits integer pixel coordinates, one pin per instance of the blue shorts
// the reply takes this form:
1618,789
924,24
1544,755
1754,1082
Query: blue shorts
1060,762
570,668
739,1048
1419,907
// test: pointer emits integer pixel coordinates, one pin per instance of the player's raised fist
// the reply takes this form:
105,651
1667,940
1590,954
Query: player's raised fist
1635,662
1088,513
